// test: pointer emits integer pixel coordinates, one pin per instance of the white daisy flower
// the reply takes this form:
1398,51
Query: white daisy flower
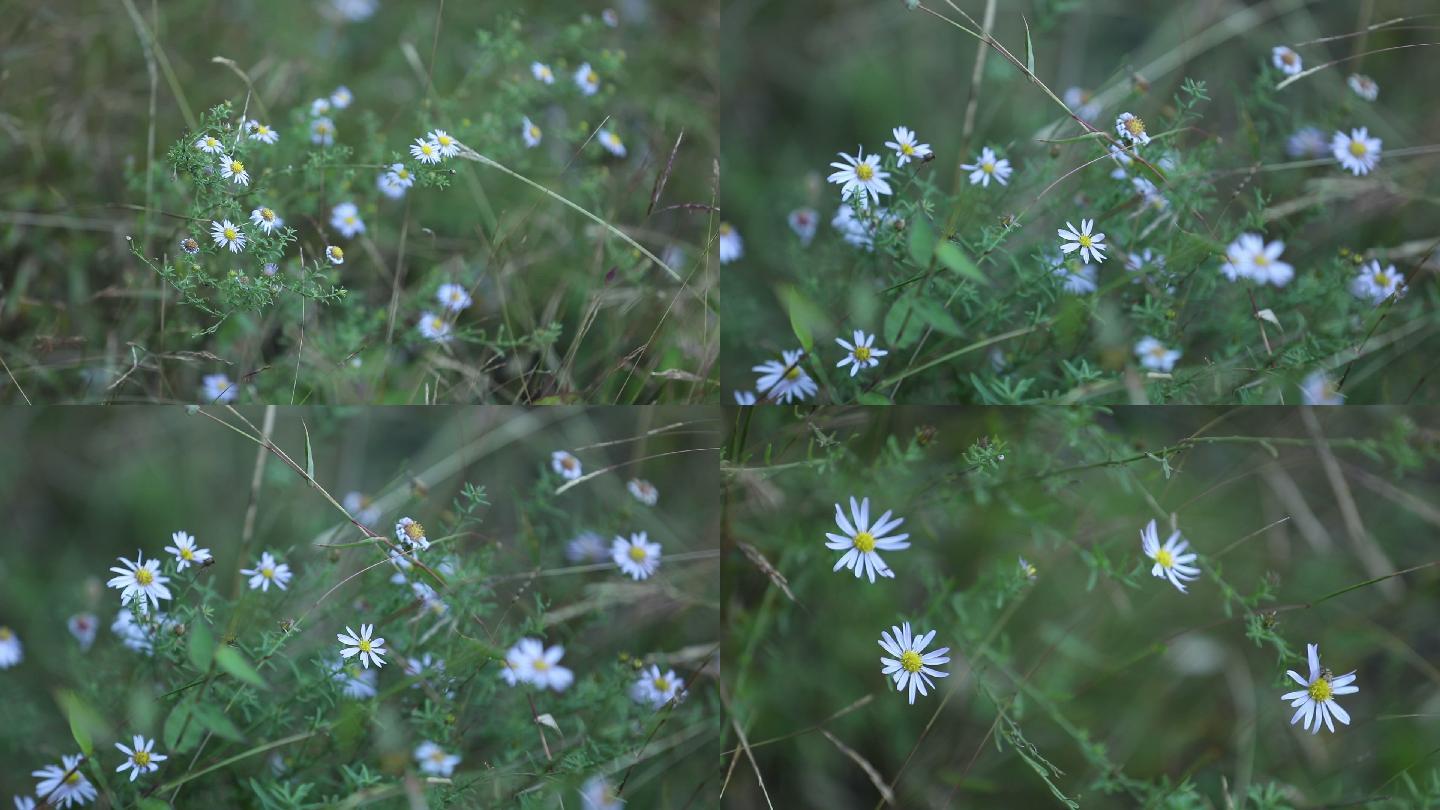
1154,355
587,80
1375,284
341,98
599,794
320,106
860,176
361,507
82,626
1082,240
189,245
395,180
861,540
449,147
1307,142
906,146
433,760
529,133
227,235
565,464
434,327
425,151
1027,570
355,683
857,231
216,388
1122,159
264,133
912,668
637,557
345,218
1364,86
1358,153
731,246
1144,262
1263,260
1082,103
232,169
1171,561
643,491
610,17
587,547
209,144
266,219
141,758
1319,389
322,131
1132,129
987,167
1075,278
744,397
362,645
453,297
532,663
186,552
860,354
1286,60
334,254
425,666
11,652
267,572
1150,195
63,785
785,379
1316,702
140,581
611,142
411,534
655,689
542,72
804,221
139,637
430,601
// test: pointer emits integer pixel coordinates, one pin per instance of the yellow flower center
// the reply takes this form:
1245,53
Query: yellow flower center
988,167
231,234
321,129
262,130
437,756
267,572
444,140
568,462
350,220
1135,126
862,353
187,554
910,661
864,171
1165,558
1084,240
637,553
1320,690
725,229
403,174
1288,57
1357,148
865,541
1157,351
591,77
364,646
73,778
337,252
1382,278
142,758
143,576
236,166
662,684
415,531
907,149
5,634
534,131
211,142
266,214
1030,570
1262,260
541,664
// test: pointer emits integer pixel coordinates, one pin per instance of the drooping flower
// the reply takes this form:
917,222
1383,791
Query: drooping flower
1287,60
567,465
803,221
82,626
1364,86
11,651
731,246
1319,389
643,491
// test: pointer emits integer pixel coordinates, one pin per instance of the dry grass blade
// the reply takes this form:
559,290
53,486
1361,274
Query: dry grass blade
778,579
664,177
875,778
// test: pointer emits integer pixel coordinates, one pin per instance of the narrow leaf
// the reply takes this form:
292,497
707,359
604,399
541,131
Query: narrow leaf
237,667
1029,47
216,722
955,259
202,645
309,452
922,242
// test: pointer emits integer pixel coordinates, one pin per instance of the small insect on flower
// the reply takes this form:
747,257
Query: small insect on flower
1154,355
643,491
189,245
1171,561
611,142
744,397
322,131
216,388
804,221
542,72
861,540
911,667
411,534
63,785
345,218
860,176
11,653
529,133
860,354
185,551
731,246
267,572
988,167
1357,153
227,235
656,689
1375,284
1364,86
1132,129
362,645
232,169
587,80
141,579
906,146
264,133
425,151
453,297
637,557
355,683
433,760
599,794
1319,389
82,626
1316,702
434,328
1027,570
266,219
449,147
530,662
334,254
209,144
565,464
785,379
1285,59
342,97
1082,240
141,758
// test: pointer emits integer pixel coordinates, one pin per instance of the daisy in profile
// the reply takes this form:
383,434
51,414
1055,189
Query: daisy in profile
140,581
858,231
1307,142
362,645
264,133
1319,389
785,379
227,235
361,507
1150,194
411,534
11,653
643,491
355,683
209,144
655,689
334,254
1171,561
341,98
1285,59
433,760
1316,702
860,540
425,151
1132,129
529,133
611,142
860,176
1357,153
599,794
1083,240
1027,570
232,169
63,785
453,297
1375,284
587,547
731,247
804,221
267,572
565,464
542,73
1155,356
587,79
988,167
1364,86
189,245
1076,278
538,666
637,557
322,131
434,328
82,626
141,758
345,218
185,551
911,667
744,397
907,148
135,635
449,147
266,219
216,388
860,354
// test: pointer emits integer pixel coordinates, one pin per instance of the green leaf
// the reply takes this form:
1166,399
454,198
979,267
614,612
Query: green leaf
153,804
85,723
922,242
1029,47
873,398
899,317
236,665
202,645
180,723
806,317
309,452
955,259
934,314
217,723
